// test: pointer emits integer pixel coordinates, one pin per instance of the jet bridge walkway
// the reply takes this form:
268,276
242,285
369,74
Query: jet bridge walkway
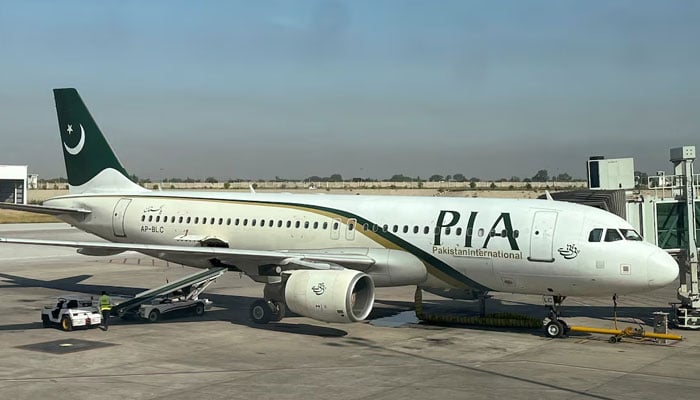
196,283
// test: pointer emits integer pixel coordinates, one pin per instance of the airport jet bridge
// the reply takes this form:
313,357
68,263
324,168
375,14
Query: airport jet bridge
668,218
193,285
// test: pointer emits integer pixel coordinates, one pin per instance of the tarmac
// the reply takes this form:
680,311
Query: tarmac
222,355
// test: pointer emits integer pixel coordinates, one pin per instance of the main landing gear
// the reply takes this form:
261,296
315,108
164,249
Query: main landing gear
271,308
555,327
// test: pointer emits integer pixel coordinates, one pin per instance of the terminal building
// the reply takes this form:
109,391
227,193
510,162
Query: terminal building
13,184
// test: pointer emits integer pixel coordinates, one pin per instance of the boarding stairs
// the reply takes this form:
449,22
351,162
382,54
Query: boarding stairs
192,285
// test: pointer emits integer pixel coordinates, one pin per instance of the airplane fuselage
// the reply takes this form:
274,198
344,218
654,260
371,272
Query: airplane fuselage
455,246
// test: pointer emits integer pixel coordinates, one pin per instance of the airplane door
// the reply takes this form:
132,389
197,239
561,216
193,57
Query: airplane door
335,229
542,236
118,217
350,232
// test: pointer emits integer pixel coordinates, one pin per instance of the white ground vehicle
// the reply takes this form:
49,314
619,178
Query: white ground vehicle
173,305
70,312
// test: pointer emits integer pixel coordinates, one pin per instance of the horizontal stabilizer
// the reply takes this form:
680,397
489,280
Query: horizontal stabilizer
44,209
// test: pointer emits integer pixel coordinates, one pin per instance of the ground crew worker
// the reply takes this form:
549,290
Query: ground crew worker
105,307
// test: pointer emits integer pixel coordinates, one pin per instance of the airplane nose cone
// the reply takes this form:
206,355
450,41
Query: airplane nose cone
662,269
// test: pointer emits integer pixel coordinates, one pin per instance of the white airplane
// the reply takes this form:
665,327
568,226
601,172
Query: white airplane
322,255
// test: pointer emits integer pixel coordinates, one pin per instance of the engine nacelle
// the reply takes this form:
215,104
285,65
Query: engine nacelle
342,295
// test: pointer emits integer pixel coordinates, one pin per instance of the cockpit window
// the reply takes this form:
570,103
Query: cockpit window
630,234
612,235
595,235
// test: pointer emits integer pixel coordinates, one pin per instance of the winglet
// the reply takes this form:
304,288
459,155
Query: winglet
549,196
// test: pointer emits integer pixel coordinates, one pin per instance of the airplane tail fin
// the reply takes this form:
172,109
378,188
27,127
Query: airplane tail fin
91,164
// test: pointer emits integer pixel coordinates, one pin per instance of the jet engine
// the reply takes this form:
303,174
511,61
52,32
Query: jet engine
343,295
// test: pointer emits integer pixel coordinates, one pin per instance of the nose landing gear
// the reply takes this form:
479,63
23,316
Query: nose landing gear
555,327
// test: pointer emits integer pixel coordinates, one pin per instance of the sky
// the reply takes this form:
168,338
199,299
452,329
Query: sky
259,89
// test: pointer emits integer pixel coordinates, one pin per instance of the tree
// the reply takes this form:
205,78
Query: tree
459,178
211,179
472,184
436,178
564,177
474,180
515,179
541,176
448,178
335,178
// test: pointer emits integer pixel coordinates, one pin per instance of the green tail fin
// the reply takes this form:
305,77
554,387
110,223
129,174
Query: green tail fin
90,162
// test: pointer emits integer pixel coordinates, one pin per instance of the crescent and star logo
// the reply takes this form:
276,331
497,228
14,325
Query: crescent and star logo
79,147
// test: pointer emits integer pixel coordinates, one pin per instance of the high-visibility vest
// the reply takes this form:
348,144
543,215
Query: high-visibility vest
104,303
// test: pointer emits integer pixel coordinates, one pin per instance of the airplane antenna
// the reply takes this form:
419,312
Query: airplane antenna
252,190
549,196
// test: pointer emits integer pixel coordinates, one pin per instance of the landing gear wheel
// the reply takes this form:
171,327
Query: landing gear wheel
45,321
199,309
564,326
66,324
278,311
153,316
260,312
554,329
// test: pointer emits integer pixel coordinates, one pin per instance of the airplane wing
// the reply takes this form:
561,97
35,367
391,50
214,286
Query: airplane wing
252,262
45,209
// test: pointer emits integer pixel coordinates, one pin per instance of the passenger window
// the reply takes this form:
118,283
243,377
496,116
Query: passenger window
150,218
262,222
158,218
252,222
189,219
204,220
448,230
306,224
458,231
196,220
143,218
395,228
365,227
351,226
279,223
228,221
221,221
335,226
172,219
245,221
415,229
630,234
612,235
179,220
297,224
238,221
516,233
405,229
480,232
289,224
385,227
325,226
316,225
426,230
595,235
